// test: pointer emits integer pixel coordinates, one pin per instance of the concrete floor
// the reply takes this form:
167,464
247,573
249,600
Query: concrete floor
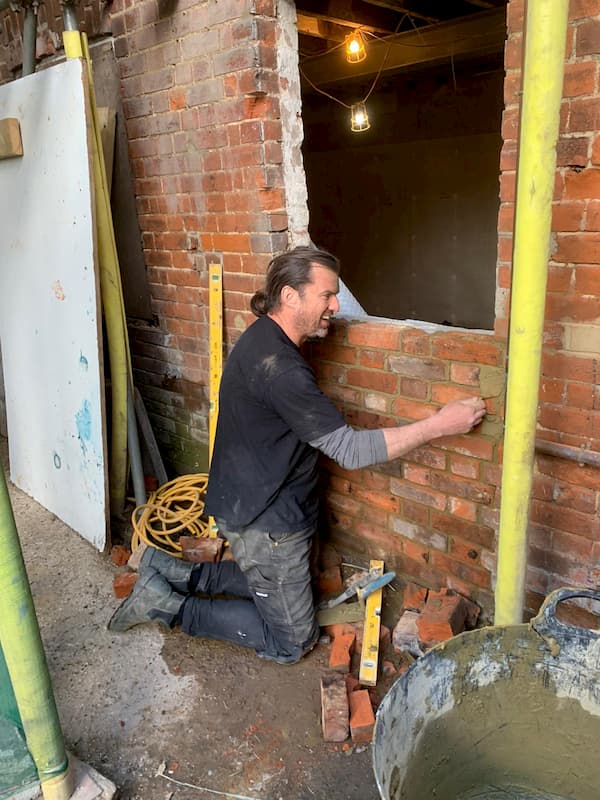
206,713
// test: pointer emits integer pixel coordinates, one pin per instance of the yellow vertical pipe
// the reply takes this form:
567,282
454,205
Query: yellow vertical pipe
26,662
543,68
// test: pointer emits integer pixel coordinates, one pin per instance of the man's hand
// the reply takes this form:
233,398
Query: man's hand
459,416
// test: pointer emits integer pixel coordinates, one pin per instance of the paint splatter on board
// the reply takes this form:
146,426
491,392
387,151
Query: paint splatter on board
58,290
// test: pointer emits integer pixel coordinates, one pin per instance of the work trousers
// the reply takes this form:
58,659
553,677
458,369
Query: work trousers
272,572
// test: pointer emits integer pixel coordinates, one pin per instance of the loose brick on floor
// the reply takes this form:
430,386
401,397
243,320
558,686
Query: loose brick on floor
123,583
444,616
199,550
352,683
362,718
335,714
405,636
120,555
330,581
341,648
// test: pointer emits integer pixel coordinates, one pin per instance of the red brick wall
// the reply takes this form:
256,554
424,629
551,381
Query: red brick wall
565,527
200,96
433,514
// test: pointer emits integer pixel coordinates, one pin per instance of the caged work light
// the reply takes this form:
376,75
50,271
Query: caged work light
356,49
359,118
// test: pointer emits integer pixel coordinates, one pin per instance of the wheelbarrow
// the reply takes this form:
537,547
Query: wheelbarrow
498,713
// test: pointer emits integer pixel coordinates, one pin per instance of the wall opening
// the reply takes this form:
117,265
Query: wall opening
411,204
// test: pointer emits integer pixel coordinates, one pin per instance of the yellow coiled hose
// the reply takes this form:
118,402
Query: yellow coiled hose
176,508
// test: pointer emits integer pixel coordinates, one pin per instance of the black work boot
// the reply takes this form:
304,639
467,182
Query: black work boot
176,571
152,600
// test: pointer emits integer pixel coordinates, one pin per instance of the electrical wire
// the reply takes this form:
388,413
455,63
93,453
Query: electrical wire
316,88
176,508
377,76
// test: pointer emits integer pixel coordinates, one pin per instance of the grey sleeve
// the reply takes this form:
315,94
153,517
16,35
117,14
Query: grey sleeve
353,449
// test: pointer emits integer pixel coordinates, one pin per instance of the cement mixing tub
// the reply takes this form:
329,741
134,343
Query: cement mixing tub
502,712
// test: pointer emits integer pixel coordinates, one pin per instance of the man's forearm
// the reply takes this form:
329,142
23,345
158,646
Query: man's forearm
459,416
400,441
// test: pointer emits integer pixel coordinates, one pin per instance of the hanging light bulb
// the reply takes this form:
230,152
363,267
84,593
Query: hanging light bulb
355,47
359,118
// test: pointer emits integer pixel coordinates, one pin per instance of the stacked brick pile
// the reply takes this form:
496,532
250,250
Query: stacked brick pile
428,618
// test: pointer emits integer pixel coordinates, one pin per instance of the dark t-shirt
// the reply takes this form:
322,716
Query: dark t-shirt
263,471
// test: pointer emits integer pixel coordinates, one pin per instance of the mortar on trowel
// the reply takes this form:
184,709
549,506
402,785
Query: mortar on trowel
499,713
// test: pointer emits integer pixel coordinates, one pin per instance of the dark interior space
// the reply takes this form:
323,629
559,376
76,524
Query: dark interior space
410,205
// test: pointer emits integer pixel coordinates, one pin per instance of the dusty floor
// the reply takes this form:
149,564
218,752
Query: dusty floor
217,716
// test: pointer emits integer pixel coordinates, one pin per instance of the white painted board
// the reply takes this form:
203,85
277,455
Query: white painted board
50,331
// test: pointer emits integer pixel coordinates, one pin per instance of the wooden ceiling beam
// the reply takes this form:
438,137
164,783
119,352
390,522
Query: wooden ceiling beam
477,34
350,14
404,8
321,28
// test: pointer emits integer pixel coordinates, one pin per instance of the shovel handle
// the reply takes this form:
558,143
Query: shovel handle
559,634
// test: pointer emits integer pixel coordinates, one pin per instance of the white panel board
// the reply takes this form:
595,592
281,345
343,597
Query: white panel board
49,303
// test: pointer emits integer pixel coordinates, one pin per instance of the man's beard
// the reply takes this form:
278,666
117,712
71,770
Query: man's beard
317,333
321,333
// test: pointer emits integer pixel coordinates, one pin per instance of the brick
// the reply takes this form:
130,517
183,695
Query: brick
123,584
414,597
583,185
475,446
592,219
371,379
456,348
584,115
465,374
583,8
567,216
362,718
201,549
339,629
444,616
572,151
580,78
513,52
372,359
588,38
120,555
416,474
335,713
477,492
409,409
465,509
405,636
469,573
330,581
596,151
339,657
416,342
410,387
374,335
443,393
352,683
426,369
